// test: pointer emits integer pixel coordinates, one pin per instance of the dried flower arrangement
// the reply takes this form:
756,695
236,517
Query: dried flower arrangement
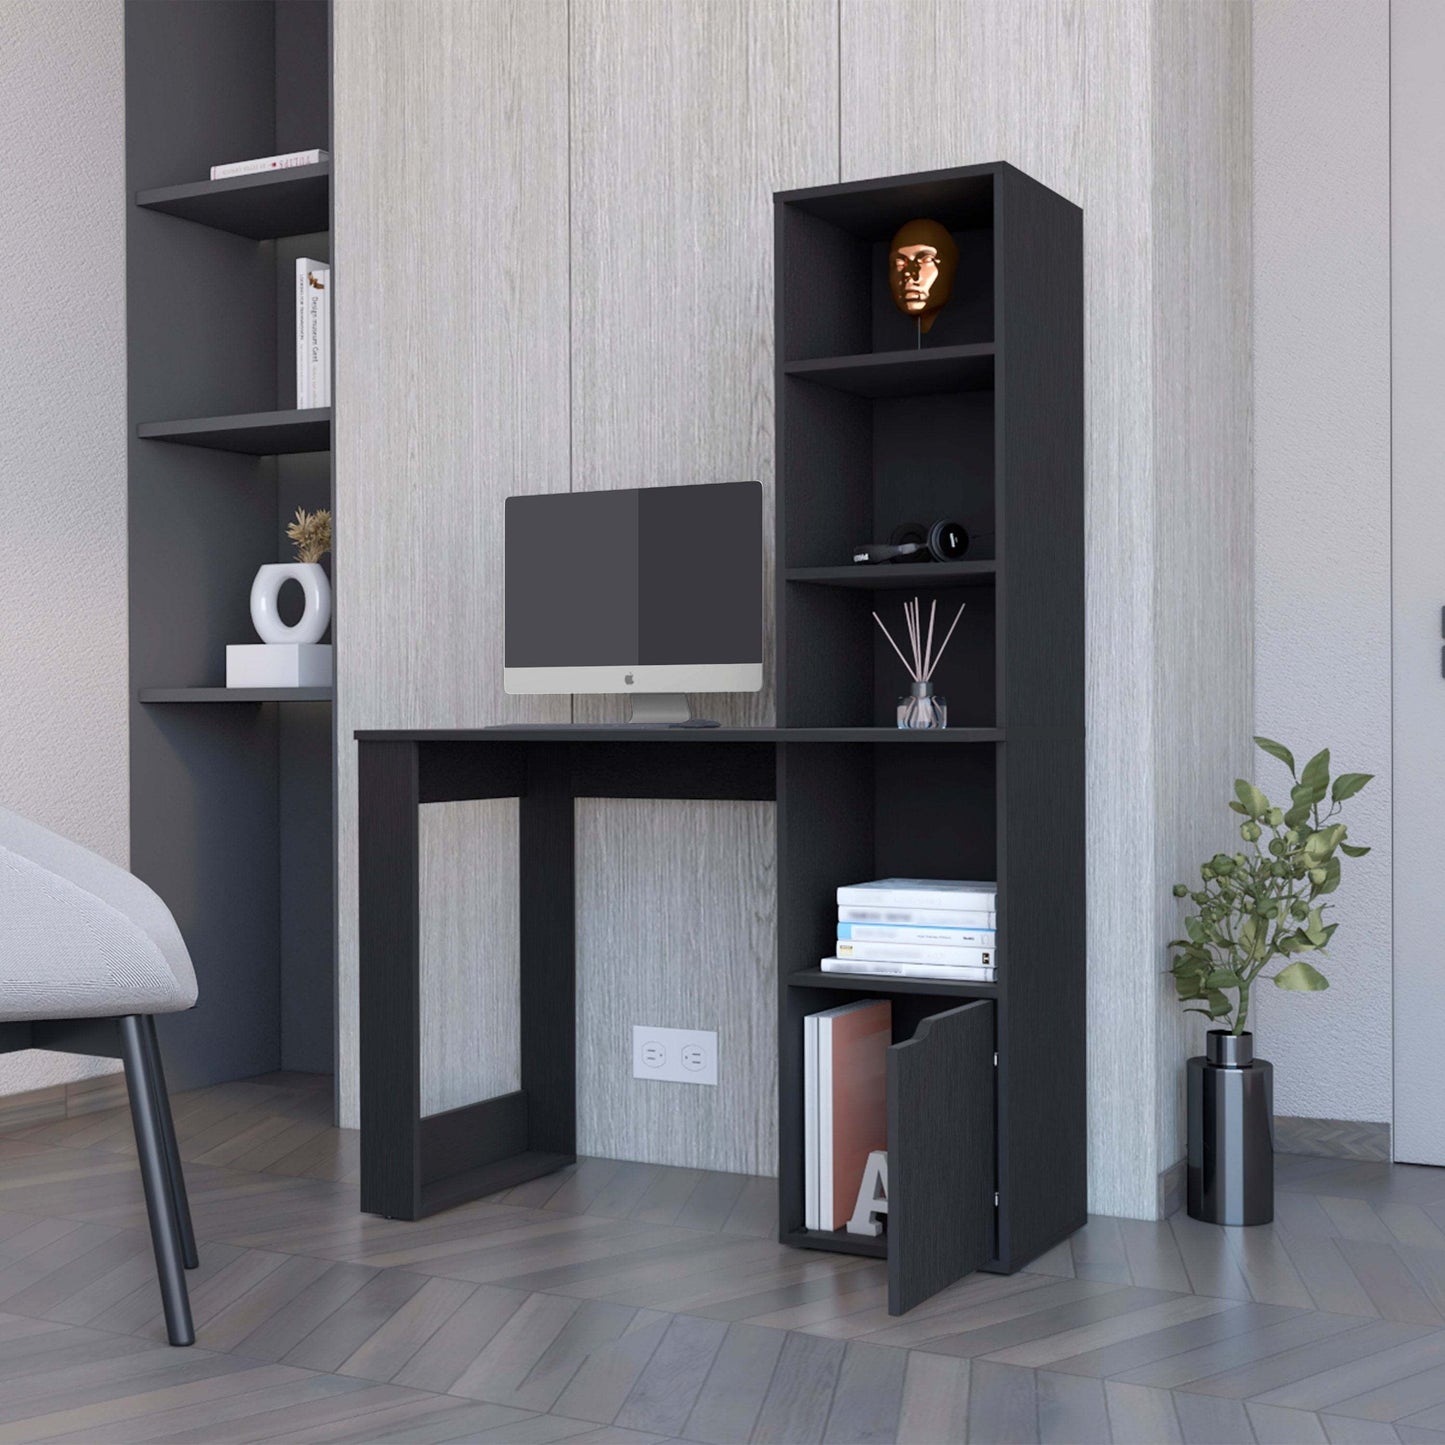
311,534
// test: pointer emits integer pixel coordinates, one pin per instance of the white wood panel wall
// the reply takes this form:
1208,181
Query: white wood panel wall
685,115
451,392
1202,493
1082,95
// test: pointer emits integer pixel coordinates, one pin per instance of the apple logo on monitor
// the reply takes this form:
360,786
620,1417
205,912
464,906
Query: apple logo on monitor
628,679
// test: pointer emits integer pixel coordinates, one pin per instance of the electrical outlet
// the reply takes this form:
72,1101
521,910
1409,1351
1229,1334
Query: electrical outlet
680,1056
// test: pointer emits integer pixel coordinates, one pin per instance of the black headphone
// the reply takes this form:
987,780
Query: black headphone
944,541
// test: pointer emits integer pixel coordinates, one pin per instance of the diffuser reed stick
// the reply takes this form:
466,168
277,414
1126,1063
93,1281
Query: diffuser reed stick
925,660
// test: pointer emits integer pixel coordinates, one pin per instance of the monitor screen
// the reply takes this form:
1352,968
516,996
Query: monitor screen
653,589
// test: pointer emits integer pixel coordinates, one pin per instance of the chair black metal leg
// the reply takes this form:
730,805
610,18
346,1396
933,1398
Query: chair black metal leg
160,1206
172,1151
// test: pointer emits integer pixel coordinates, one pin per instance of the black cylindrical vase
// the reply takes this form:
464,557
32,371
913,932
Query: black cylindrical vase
1231,1132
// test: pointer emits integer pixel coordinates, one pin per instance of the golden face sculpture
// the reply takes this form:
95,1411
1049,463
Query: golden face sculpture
921,261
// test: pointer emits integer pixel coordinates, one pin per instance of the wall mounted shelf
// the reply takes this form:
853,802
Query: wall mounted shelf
902,373
293,202
256,434
232,790
888,575
235,694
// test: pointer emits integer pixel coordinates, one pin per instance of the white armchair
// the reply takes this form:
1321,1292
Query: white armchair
84,940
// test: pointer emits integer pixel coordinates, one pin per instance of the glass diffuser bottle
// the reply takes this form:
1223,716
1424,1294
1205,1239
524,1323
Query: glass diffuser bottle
922,707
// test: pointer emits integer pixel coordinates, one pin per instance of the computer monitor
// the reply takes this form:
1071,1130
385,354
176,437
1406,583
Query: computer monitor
652,592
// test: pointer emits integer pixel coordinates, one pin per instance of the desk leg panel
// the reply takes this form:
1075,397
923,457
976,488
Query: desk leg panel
390,977
547,925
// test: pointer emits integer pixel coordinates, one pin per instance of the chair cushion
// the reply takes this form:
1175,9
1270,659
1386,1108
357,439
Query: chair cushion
80,937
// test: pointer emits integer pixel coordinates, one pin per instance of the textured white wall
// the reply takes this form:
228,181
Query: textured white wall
1322,501
1137,109
1139,112
1417,244
63,706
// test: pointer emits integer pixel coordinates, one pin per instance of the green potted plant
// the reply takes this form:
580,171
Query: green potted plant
1252,910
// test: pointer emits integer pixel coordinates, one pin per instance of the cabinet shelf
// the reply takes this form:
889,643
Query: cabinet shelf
888,575
837,1241
902,373
235,694
889,983
257,433
293,202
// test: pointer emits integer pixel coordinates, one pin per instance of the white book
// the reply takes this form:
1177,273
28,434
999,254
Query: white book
916,933
303,371
316,341
933,953
810,1121
268,163
958,973
825,1122
923,893
924,917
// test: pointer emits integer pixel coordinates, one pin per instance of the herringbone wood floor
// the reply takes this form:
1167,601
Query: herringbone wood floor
620,1302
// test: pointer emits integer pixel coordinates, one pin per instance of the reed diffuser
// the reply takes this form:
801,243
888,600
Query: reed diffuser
922,707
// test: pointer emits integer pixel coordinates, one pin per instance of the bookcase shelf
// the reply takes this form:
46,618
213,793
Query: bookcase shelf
264,207
256,434
981,423
889,983
837,1241
886,576
235,694
921,372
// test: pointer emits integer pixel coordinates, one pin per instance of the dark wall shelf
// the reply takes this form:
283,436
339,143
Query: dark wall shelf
888,575
231,806
255,434
293,202
923,372
236,694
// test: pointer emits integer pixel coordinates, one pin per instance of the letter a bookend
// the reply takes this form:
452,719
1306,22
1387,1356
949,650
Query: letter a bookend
872,1196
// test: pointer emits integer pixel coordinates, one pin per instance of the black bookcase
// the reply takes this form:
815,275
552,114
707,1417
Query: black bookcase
231,806
982,424
979,421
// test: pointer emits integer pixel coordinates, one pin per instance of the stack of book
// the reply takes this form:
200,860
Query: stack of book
845,1105
286,162
918,928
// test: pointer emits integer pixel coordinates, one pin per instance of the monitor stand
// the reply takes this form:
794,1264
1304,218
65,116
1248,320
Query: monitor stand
664,709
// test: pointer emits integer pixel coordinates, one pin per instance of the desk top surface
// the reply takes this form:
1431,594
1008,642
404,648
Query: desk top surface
627,733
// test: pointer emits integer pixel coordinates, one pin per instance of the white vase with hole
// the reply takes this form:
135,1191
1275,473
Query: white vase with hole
315,618
292,655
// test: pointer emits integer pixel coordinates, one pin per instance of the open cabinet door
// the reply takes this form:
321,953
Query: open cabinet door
940,1153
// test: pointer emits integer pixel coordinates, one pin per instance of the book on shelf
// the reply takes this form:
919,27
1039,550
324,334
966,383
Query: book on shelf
313,333
923,917
268,163
935,953
845,1105
922,893
943,972
916,933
